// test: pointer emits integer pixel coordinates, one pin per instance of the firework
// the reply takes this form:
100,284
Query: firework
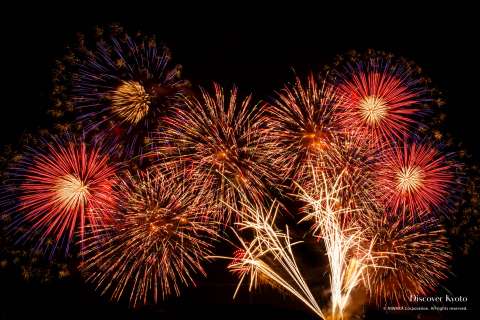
220,137
269,257
157,242
414,177
302,123
351,162
339,138
123,86
380,99
347,256
62,189
414,257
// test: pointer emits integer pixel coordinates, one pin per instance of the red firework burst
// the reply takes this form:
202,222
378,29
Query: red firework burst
62,187
380,101
414,177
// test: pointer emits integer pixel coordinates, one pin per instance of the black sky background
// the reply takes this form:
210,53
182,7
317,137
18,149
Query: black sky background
255,48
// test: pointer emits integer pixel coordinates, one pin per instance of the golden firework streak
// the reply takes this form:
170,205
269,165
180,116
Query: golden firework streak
346,255
270,253
274,244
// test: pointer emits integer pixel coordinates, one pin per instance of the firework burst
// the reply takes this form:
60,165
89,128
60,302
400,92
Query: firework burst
62,190
347,256
380,100
157,242
302,123
414,257
220,138
123,86
414,177
269,257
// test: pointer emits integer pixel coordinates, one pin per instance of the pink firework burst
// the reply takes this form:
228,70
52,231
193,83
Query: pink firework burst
414,177
61,189
380,101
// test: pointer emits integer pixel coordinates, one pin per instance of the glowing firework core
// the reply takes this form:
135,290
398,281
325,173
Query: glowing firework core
130,101
221,155
71,189
373,109
410,179
315,140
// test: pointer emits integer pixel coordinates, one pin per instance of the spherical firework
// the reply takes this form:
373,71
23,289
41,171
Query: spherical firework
123,86
62,190
412,258
413,177
302,123
380,99
221,139
158,240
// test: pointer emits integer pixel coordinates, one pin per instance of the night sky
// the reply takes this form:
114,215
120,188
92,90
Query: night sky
256,49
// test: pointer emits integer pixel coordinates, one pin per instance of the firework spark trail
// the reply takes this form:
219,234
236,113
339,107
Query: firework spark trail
219,137
347,256
380,100
62,190
159,239
269,256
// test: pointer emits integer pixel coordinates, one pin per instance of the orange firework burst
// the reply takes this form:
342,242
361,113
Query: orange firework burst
158,240
63,189
413,257
302,123
380,100
414,177
220,138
